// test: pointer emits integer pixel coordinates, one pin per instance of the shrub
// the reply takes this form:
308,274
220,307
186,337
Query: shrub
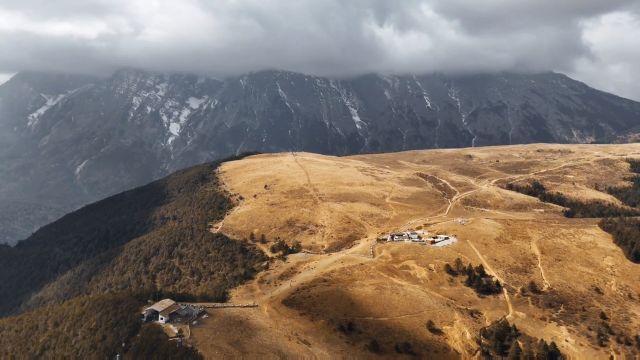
431,326
281,247
405,348
348,328
374,347
533,287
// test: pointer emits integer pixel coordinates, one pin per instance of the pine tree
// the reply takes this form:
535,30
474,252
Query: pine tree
449,270
480,271
528,353
554,352
515,352
542,352
458,265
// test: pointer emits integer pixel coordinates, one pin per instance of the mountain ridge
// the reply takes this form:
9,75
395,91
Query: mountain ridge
72,139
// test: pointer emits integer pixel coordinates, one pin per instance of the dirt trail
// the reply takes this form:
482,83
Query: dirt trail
322,214
492,272
389,203
314,190
534,248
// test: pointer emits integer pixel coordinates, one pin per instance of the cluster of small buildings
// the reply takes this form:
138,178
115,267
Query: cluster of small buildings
419,237
168,311
415,236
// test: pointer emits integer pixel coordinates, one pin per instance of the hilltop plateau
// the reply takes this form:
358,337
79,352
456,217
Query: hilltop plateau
564,279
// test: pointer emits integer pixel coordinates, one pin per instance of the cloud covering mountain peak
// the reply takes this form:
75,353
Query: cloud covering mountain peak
587,39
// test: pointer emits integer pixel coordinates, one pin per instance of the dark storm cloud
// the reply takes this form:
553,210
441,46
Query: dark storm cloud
591,39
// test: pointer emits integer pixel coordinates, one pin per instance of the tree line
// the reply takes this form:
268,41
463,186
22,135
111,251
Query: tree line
574,208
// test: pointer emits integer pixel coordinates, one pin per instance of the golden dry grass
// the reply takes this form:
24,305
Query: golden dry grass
337,206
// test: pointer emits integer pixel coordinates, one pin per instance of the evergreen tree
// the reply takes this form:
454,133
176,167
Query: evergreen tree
533,287
554,352
458,265
515,352
449,270
480,271
542,352
528,353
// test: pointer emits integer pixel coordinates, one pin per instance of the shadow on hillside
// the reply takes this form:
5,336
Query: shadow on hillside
341,314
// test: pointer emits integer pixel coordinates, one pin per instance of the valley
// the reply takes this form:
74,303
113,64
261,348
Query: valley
335,299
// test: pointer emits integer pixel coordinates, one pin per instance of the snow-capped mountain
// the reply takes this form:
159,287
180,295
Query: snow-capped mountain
66,140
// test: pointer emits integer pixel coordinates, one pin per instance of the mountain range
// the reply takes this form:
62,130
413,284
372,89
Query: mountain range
67,140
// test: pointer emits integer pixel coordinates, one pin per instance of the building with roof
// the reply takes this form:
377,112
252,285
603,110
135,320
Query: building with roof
152,313
168,314
168,311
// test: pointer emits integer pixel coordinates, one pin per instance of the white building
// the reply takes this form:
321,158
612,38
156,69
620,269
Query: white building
415,236
160,311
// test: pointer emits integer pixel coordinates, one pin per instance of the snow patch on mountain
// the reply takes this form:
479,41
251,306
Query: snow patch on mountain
176,125
284,96
425,95
454,95
195,103
80,167
580,137
174,129
50,101
161,89
350,103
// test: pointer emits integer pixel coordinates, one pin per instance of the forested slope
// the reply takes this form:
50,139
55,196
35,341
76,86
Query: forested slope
86,275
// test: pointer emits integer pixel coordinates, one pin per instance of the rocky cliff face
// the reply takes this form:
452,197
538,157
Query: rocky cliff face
67,140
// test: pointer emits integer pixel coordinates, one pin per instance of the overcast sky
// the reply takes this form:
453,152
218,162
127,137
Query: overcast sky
596,41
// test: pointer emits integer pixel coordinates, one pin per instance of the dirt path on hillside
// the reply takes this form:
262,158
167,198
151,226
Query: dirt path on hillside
322,216
389,203
536,250
314,191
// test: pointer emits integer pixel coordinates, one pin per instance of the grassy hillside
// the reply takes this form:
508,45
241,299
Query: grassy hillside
563,279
